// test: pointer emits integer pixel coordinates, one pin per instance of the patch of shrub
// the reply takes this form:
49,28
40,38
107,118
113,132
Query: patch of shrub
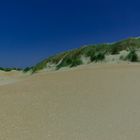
76,62
91,54
9,69
70,61
5,69
115,49
27,69
95,54
132,56
99,56
65,62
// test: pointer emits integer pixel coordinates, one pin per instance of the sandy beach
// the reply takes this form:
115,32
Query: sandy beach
91,102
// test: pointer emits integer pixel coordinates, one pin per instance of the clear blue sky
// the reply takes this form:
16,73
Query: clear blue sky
31,30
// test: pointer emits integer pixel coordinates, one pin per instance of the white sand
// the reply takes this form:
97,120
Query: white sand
92,102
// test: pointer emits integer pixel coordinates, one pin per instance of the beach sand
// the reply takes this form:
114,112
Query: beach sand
91,102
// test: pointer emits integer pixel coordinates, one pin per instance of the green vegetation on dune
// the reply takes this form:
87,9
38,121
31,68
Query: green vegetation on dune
27,69
96,53
10,69
132,56
53,59
71,59
125,45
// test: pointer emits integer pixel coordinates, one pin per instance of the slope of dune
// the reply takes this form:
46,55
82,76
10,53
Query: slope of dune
92,102
124,50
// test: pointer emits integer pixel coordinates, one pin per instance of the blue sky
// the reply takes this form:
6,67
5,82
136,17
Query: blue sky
31,30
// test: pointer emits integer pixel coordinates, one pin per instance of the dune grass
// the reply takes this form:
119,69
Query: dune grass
10,69
132,56
96,53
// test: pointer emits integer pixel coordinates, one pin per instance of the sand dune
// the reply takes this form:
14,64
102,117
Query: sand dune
93,102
